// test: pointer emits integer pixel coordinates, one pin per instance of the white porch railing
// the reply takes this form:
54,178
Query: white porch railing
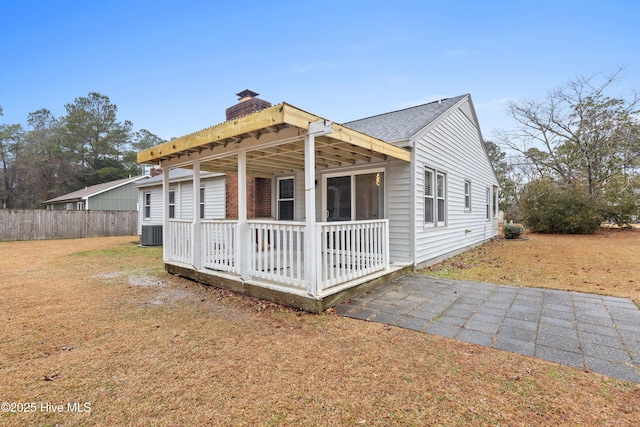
218,245
277,252
349,250
345,250
180,241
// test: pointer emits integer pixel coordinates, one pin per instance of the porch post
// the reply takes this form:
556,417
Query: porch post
310,247
196,241
242,236
166,229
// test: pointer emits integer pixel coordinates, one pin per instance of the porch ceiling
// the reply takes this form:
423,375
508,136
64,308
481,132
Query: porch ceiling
274,140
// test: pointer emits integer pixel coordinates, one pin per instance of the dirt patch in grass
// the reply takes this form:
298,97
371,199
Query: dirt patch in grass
606,263
97,321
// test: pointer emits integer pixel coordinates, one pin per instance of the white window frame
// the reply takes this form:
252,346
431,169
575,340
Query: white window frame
467,195
352,174
280,199
436,197
146,201
80,206
68,206
203,210
488,204
172,215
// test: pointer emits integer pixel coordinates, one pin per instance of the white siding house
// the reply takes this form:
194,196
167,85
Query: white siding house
180,202
352,205
447,149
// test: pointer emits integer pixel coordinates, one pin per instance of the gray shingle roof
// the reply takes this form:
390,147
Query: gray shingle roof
94,189
403,124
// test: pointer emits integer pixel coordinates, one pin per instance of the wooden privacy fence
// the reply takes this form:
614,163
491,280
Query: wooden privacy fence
50,224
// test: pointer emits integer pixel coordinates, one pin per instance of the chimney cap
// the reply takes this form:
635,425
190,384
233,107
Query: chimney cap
247,94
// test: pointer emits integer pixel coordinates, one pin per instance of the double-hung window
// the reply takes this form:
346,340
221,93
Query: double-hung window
435,198
172,204
201,202
147,205
488,202
467,196
285,199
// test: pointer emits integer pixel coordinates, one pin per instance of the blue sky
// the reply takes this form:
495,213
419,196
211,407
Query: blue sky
172,67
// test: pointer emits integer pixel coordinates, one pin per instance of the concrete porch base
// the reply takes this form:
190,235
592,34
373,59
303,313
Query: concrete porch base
290,299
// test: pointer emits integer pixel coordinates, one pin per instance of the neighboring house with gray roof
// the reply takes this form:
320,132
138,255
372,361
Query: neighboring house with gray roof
347,204
118,195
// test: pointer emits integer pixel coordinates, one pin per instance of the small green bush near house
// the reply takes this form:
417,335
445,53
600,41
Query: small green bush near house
512,231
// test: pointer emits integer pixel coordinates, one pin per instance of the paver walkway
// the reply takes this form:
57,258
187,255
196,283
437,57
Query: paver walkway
585,331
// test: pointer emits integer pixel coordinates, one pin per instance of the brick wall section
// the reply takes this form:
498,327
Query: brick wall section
231,204
258,197
251,197
263,198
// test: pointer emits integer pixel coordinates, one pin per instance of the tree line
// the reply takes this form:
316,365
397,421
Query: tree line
58,155
574,159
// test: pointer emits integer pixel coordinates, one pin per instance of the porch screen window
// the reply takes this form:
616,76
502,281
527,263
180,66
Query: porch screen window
435,188
369,196
172,204
467,196
355,197
201,202
147,205
339,198
285,199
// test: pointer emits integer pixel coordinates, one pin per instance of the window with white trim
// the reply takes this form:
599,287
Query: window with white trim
286,199
494,202
467,196
435,198
172,204
80,206
354,196
488,204
147,205
202,203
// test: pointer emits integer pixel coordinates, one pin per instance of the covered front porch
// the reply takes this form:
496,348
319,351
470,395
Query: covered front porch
311,264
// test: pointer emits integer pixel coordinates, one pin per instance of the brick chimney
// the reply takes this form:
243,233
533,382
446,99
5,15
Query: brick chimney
248,103
258,189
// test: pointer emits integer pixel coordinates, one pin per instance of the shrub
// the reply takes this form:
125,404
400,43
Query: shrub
548,207
511,231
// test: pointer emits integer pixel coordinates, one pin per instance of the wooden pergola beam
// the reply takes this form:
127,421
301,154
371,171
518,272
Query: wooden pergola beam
269,121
